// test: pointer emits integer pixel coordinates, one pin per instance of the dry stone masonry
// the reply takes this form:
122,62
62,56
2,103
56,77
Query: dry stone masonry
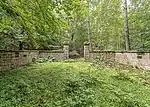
66,51
14,59
86,51
135,58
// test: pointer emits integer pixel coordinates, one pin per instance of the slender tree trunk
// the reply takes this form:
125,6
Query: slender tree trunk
89,28
89,31
126,28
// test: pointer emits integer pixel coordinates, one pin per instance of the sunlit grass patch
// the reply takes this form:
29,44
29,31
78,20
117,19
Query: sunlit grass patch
73,84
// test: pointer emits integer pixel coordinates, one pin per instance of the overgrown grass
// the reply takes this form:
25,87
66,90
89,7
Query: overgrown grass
73,84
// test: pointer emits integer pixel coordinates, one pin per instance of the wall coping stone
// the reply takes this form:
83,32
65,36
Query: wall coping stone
52,51
19,50
66,43
118,51
86,43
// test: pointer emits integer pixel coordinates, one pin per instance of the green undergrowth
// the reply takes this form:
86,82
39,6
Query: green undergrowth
73,84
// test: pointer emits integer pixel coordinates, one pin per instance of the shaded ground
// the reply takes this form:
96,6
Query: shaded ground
74,84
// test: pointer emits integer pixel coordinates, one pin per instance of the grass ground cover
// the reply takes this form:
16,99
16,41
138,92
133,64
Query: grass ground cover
73,84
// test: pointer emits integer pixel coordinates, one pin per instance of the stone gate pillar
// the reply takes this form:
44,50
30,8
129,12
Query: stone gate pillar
86,51
66,50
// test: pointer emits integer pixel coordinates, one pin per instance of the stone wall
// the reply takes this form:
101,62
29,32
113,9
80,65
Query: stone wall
56,54
14,59
106,54
135,58
66,51
86,51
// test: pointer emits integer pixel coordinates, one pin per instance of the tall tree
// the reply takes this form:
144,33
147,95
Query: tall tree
89,24
126,28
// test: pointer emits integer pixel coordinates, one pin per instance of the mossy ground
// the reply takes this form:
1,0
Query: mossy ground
73,84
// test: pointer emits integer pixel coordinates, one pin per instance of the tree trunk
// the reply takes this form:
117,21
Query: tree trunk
89,28
126,28
89,31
